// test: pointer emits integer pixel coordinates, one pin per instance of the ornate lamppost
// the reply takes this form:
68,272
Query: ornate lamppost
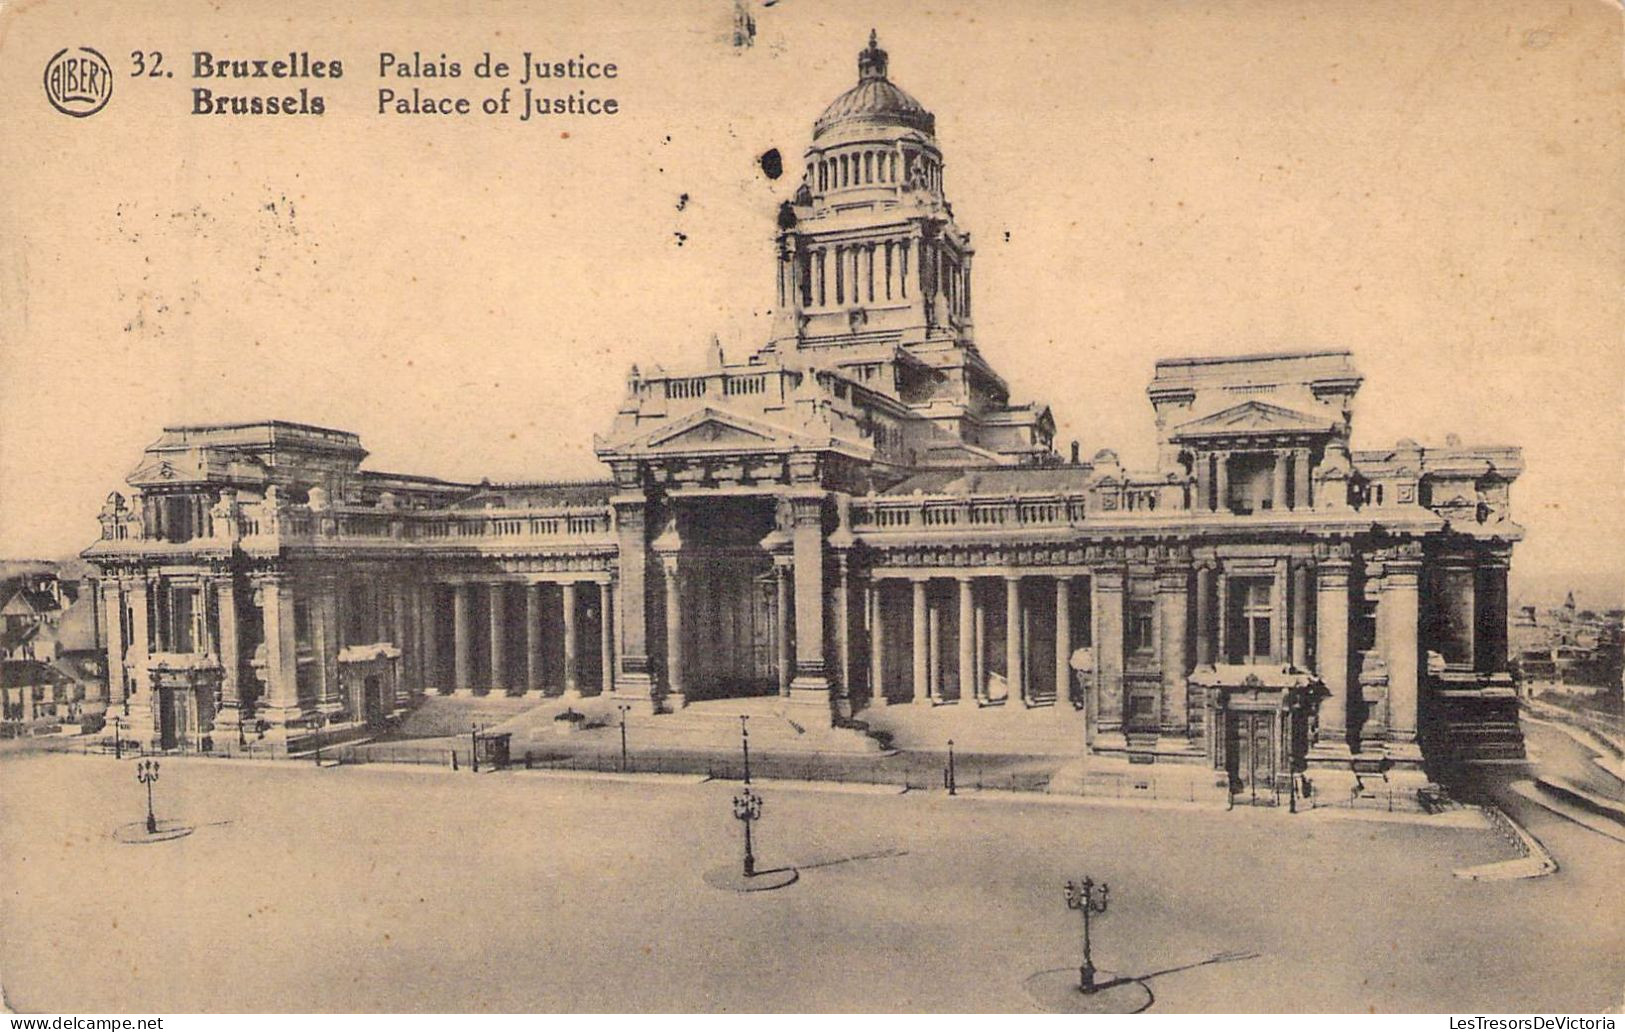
1085,898
748,810
624,708
146,772
744,744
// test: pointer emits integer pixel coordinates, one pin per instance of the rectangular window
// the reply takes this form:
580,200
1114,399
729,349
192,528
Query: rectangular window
1141,625
1255,609
182,630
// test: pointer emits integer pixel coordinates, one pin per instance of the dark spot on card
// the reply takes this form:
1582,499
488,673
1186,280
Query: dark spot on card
772,164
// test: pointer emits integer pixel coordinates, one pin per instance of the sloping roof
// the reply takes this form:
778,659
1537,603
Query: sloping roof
24,602
77,630
540,495
997,480
10,638
18,673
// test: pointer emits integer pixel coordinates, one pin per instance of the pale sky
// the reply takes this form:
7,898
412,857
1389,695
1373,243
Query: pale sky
1437,187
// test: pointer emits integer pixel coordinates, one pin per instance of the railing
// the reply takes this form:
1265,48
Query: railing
439,526
974,514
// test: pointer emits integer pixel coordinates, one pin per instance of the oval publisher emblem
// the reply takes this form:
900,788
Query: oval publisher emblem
78,81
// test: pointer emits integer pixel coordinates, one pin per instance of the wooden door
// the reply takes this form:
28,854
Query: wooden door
1255,752
168,720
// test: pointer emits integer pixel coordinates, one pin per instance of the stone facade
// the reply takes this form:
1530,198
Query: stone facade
856,515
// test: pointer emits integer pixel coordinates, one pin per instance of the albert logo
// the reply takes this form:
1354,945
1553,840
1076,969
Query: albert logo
78,81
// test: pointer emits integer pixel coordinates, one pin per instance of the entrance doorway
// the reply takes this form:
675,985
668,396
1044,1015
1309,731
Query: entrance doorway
372,694
169,720
1251,749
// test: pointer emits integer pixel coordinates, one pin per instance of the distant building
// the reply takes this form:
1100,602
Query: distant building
1567,645
856,515
51,655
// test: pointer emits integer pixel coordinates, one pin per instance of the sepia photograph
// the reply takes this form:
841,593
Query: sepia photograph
524,508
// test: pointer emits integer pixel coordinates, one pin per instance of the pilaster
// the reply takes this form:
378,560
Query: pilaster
1108,612
1332,652
1173,597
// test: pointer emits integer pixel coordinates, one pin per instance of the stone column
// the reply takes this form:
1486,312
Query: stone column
843,626
1108,641
877,647
921,645
498,604
1301,479
1400,596
113,606
325,642
1222,621
1173,596
230,651
429,620
631,534
1491,632
462,655
1332,650
1204,615
811,682
1281,646
786,660
1300,616
1063,641
606,638
567,604
980,645
1222,477
967,640
533,637
281,648
1014,675
398,612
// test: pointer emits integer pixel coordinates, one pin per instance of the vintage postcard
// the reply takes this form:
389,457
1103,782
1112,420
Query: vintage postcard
769,506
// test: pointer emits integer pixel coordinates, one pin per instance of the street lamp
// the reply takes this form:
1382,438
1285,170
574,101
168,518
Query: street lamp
146,772
624,708
744,744
1083,897
474,748
747,810
316,721
118,741
951,781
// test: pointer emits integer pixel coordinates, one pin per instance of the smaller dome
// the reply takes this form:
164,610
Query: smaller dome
875,99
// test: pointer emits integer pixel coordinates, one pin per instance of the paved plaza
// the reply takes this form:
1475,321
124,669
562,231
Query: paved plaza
388,888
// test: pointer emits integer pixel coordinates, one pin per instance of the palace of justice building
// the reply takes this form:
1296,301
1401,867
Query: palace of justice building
855,516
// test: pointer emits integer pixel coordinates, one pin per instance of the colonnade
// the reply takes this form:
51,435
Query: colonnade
869,166
499,651
1290,479
929,658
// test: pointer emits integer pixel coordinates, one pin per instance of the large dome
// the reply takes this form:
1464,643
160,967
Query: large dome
874,100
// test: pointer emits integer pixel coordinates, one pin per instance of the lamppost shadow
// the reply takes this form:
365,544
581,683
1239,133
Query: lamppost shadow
1057,990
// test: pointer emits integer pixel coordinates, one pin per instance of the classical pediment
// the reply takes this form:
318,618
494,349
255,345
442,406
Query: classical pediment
715,430
1253,417
160,472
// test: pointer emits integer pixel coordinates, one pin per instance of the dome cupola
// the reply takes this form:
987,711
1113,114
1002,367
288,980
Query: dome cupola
875,101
